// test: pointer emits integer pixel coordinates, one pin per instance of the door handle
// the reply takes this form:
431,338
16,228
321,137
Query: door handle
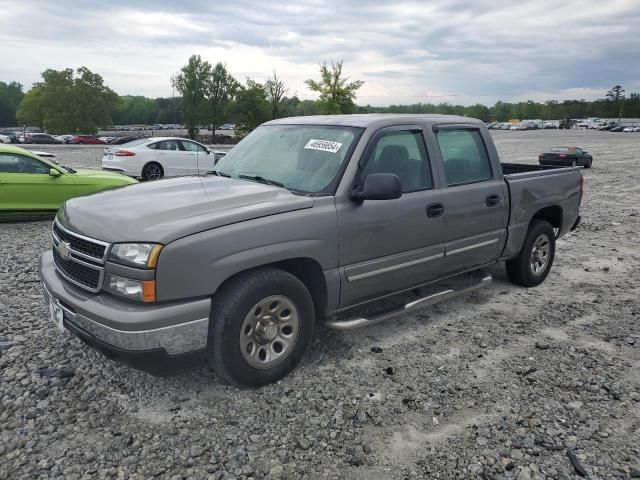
435,210
493,200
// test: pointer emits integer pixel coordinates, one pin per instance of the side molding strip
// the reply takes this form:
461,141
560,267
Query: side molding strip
471,247
361,276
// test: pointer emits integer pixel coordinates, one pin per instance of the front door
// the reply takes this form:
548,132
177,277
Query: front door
388,245
475,200
25,184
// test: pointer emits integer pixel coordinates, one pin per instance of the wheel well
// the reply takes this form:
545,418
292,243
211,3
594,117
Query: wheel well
553,215
309,272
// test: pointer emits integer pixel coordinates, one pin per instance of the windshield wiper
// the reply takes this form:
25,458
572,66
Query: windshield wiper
218,173
260,179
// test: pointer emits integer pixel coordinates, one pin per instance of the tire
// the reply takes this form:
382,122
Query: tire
521,270
152,171
242,346
588,165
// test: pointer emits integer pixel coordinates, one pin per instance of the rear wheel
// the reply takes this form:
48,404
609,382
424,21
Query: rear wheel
533,263
261,325
152,171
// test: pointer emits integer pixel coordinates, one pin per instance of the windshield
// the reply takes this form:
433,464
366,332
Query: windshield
303,158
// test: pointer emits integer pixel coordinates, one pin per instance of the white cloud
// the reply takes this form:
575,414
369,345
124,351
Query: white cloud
447,50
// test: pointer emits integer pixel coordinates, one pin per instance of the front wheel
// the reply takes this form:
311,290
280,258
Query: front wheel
533,263
260,327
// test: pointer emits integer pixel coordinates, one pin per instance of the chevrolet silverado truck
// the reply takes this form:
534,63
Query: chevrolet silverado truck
306,220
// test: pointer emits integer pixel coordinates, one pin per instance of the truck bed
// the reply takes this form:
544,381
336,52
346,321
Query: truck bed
535,188
524,170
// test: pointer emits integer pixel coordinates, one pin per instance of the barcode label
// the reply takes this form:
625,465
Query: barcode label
323,145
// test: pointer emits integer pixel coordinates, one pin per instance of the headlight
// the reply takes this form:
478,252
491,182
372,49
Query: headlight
141,255
142,290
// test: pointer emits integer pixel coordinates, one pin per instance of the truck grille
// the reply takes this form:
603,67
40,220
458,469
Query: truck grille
83,275
80,245
79,259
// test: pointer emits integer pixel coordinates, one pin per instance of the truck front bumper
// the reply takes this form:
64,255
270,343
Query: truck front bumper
157,338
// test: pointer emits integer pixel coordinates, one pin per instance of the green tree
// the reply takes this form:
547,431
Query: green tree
193,83
220,91
275,93
337,94
136,109
10,96
31,111
251,107
64,102
616,95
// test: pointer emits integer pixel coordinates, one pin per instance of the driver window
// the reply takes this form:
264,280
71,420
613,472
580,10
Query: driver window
192,147
19,164
402,153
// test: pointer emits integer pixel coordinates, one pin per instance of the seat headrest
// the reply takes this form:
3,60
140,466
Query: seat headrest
393,155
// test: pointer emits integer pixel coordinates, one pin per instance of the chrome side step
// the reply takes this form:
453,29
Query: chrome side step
440,294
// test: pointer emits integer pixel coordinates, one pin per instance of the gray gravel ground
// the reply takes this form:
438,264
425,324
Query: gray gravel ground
501,383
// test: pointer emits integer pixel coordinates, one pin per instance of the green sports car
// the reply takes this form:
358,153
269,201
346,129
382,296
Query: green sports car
31,186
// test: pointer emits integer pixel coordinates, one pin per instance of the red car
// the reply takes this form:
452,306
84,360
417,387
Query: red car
86,140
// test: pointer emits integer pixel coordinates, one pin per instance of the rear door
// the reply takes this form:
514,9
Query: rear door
475,199
388,245
25,184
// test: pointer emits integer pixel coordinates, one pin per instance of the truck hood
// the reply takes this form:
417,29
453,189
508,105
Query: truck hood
166,210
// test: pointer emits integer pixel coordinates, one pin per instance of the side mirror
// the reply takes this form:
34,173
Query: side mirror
379,186
54,173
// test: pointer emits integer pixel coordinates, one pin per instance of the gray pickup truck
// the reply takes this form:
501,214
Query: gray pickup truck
306,220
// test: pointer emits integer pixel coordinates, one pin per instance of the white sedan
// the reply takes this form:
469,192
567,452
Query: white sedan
5,139
159,157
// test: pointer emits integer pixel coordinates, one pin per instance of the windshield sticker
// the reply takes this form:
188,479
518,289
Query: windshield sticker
323,145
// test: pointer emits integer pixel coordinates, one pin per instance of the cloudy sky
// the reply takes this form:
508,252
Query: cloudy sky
461,51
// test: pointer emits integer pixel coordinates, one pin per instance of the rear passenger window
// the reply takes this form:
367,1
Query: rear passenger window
464,156
403,154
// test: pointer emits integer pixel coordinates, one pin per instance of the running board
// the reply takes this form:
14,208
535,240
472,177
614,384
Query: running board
422,302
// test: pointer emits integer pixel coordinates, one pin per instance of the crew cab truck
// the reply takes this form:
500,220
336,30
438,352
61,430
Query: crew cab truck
305,219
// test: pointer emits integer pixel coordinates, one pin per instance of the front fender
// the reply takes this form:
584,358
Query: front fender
198,264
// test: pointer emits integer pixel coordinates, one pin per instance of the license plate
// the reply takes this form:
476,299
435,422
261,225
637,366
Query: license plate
110,156
57,315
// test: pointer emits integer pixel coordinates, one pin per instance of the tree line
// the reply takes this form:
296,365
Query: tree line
78,101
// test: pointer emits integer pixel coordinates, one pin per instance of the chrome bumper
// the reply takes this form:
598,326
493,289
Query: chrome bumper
176,328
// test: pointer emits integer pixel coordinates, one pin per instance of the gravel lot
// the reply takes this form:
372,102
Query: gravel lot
501,383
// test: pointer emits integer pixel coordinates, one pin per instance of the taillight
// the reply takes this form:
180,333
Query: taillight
540,157
581,189
563,156
124,153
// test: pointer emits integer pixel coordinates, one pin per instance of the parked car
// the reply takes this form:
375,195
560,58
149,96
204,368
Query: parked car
636,129
64,138
505,126
5,138
86,140
305,218
618,128
13,138
31,185
627,129
48,155
122,140
40,138
159,157
566,157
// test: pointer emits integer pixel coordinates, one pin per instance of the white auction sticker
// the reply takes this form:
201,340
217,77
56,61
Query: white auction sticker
323,145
